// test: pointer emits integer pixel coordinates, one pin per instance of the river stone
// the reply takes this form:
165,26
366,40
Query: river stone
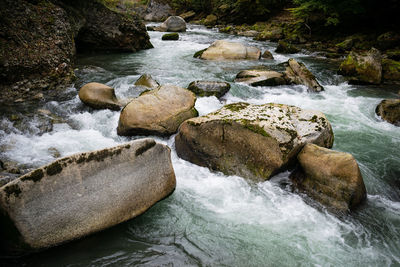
170,37
286,48
85,193
260,78
363,68
173,24
209,88
333,178
389,110
391,70
298,73
158,112
223,50
252,141
267,55
147,81
99,96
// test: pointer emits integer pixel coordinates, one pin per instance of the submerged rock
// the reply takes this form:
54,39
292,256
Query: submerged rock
170,37
173,24
99,96
147,81
363,68
84,193
330,177
158,112
286,48
260,78
298,73
224,50
252,141
389,110
209,88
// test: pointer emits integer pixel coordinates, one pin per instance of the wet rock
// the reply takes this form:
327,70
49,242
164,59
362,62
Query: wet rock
389,110
54,152
85,193
150,28
158,112
170,37
147,81
209,88
99,96
173,24
252,141
363,68
223,50
298,73
391,70
286,48
210,20
188,15
330,177
11,167
267,55
260,78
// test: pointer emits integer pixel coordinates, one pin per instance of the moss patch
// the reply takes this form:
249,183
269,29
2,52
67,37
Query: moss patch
54,168
35,176
13,190
144,148
199,53
235,107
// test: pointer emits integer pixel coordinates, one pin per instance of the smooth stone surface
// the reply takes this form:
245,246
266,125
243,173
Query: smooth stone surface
147,81
84,193
173,24
389,110
252,141
297,73
333,178
158,112
267,55
223,50
209,88
260,78
99,96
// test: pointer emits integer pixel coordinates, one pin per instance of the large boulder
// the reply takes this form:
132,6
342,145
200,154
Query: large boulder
286,48
389,110
260,77
99,96
330,177
158,112
209,88
391,71
224,50
298,73
363,68
267,55
147,81
84,193
210,20
252,141
173,24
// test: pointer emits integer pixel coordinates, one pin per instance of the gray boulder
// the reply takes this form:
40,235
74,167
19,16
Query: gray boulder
173,24
99,96
298,73
147,81
252,141
84,193
224,50
260,78
209,88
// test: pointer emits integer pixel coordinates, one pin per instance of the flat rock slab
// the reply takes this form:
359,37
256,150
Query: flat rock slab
252,141
260,78
223,50
84,193
158,112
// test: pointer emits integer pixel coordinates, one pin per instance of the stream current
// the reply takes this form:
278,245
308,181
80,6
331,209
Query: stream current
211,218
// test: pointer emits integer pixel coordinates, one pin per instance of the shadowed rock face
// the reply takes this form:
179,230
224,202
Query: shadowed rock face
158,112
39,41
389,110
84,193
333,178
252,141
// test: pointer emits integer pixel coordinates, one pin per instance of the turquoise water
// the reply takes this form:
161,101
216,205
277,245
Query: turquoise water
213,219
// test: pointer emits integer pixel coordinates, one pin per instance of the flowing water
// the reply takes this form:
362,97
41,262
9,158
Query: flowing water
211,218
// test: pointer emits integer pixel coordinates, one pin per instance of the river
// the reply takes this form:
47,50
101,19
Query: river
214,219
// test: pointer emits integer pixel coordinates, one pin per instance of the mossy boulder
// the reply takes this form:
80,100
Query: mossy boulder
157,112
332,178
363,68
99,96
173,24
297,73
84,193
209,88
147,80
252,141
170,37
389,110
286,48
224,50
210,20
388,40
273,35
346,45
391,70
257,77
